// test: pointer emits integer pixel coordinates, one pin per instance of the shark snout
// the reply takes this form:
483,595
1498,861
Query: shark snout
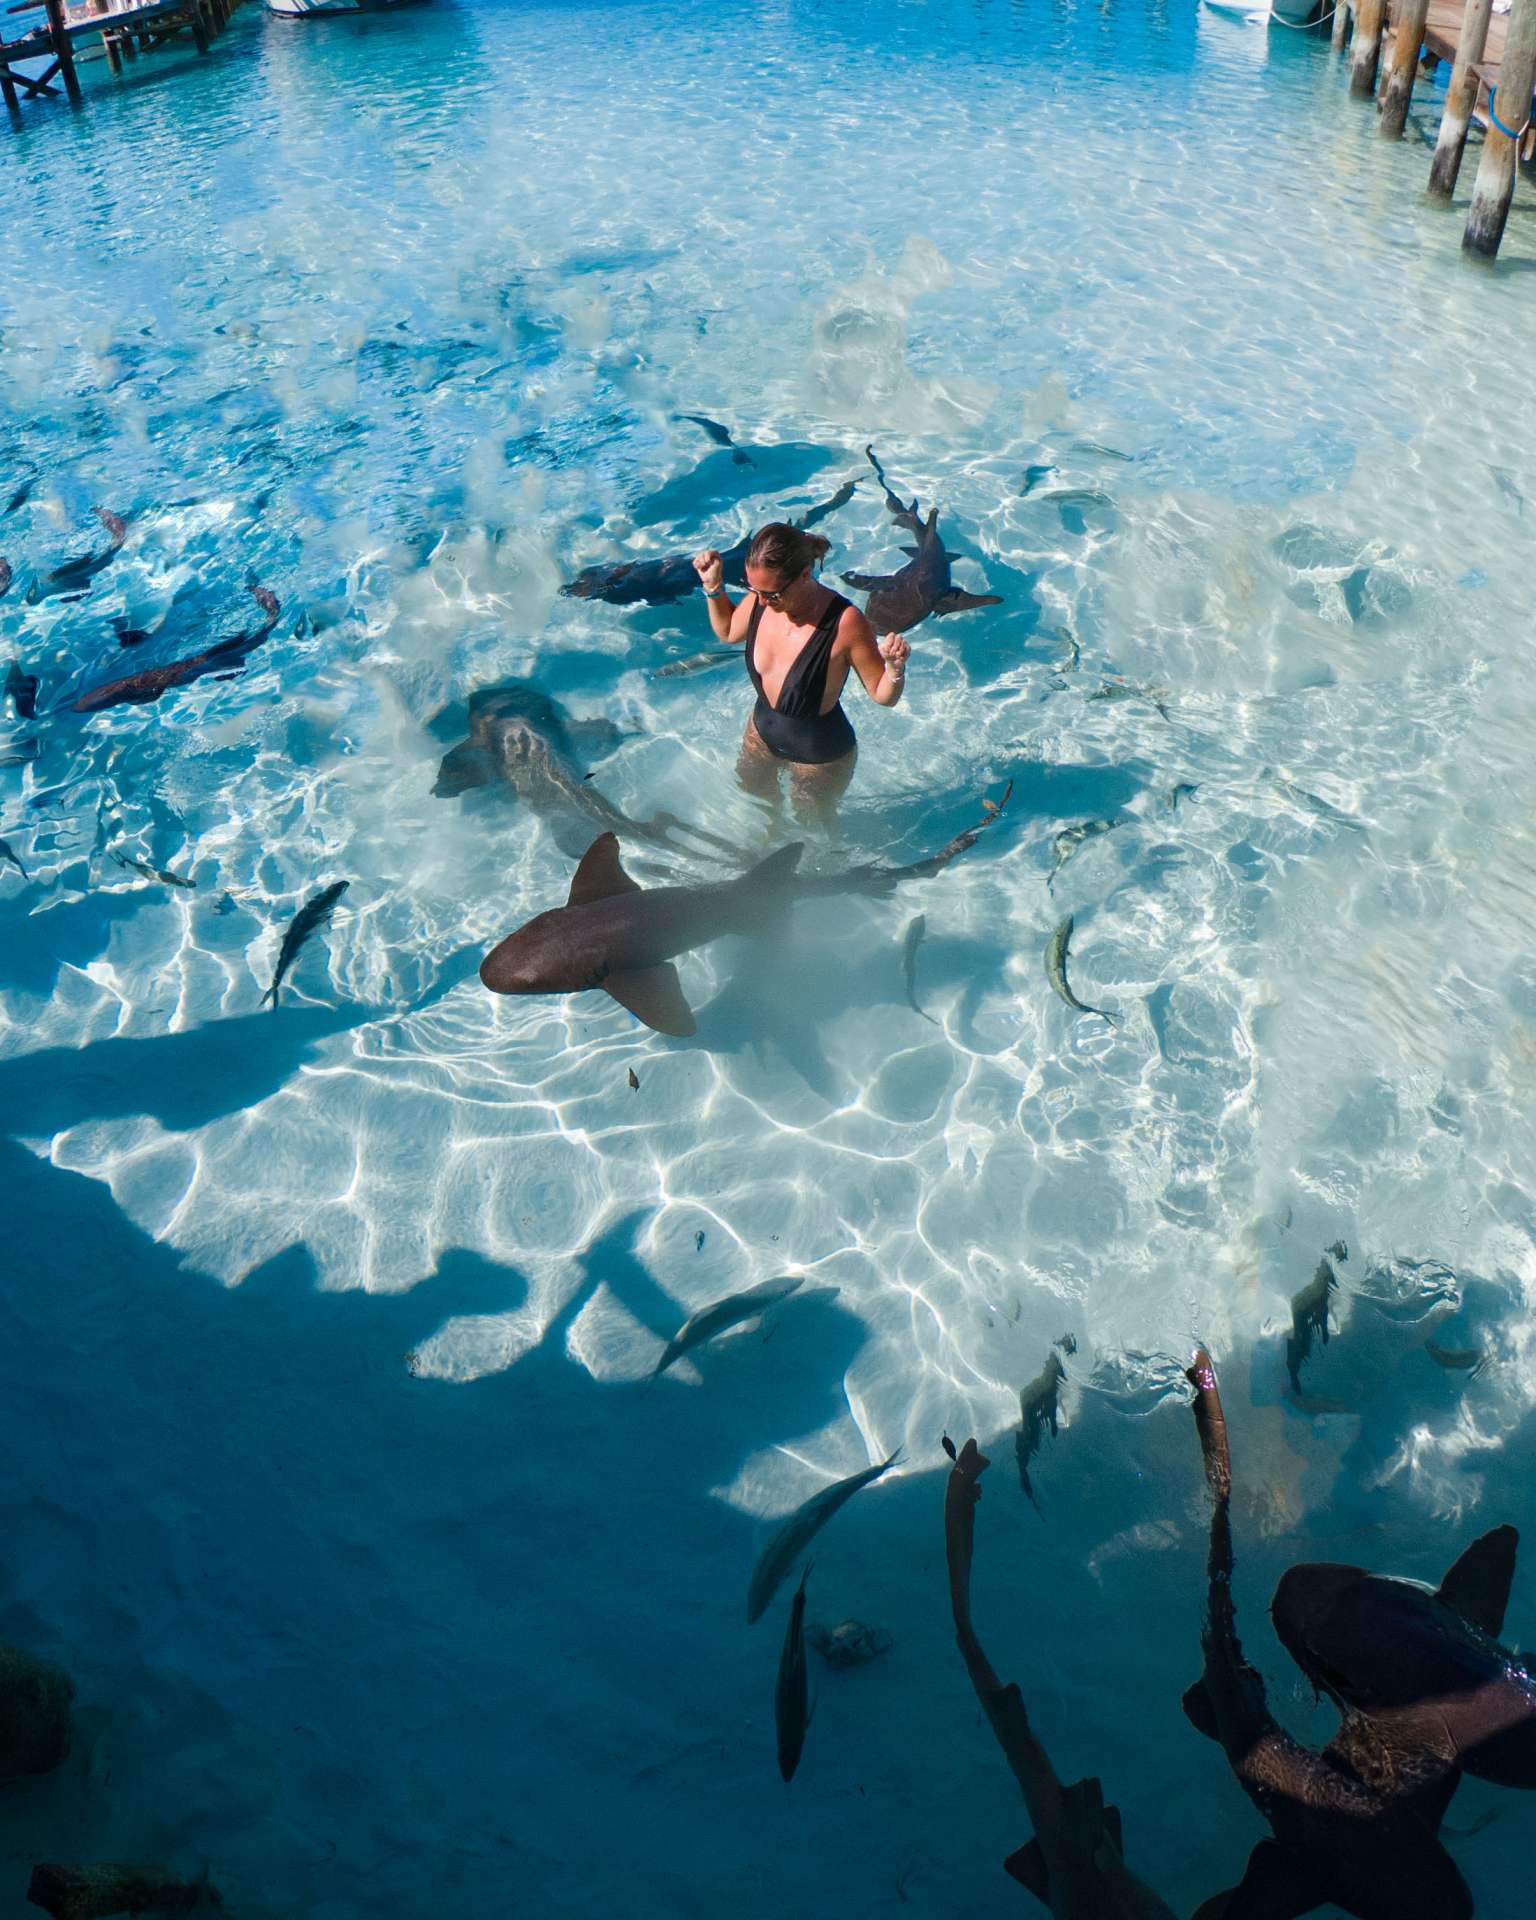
1311,1618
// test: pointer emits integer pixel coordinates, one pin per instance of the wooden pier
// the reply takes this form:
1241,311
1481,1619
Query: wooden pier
1492,57
39,60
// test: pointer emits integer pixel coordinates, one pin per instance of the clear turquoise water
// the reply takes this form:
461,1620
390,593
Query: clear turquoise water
382,1604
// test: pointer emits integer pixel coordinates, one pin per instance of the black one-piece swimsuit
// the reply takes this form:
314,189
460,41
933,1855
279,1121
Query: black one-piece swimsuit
796,728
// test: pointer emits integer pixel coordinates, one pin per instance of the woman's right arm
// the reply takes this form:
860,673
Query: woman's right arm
727,618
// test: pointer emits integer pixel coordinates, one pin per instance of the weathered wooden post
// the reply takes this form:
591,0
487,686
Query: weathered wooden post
63,49
1460,99
1367,54
1509,114
1397,89
1341,25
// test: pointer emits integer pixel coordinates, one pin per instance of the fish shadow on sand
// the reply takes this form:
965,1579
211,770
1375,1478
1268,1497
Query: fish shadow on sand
182,1080
719,481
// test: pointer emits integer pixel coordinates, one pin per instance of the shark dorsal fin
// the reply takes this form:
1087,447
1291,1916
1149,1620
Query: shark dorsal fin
655,996
1477,1586
600,876
779,865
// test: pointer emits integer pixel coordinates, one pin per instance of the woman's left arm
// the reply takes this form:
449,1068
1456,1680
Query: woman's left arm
882,666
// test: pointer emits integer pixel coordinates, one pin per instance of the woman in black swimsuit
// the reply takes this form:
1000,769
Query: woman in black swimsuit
801,638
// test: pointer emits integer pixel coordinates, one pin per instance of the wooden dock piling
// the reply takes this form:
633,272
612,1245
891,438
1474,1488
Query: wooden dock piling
1341,25
1369,15
1509,114
1408,18
1460,99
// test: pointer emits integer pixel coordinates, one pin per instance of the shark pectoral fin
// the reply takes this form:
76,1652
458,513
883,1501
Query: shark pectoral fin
600,876
464,766
654,995
779,865
865,582
1276,1886
597,737
1199,1712
1028,1867
957,602
914,551
1477,1586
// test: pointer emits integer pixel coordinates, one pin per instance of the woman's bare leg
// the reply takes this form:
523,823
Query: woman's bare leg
814,791
757,770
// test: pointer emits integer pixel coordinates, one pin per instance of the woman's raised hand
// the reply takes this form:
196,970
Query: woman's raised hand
894,651
710,569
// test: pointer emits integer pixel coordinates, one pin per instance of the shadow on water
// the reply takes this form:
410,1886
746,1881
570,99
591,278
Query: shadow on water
720,481
183,1080
303,1593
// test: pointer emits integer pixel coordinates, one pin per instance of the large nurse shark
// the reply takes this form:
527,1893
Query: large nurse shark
614,935
1416,1674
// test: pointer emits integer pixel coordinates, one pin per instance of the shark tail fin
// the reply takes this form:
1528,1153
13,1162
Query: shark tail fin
1477,1586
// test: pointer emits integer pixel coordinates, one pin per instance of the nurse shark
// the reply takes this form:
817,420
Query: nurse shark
1358,1824
614,935
899,601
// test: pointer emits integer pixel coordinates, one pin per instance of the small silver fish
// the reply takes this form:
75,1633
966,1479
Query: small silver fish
7,853
1506,485
1034,477
1071,651
1039,1405
1123,690
730,1312
1174,795
1467,1360
1098,448
1067,842
909,946
695,663
1056,970
791,1703
799,1530
154,873
314,913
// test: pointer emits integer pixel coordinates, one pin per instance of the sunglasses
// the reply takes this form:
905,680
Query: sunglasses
776,597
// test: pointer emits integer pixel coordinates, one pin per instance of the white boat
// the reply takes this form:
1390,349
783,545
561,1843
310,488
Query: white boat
1291,13
303,9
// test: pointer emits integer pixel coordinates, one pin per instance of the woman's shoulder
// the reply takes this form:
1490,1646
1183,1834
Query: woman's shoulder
851,624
